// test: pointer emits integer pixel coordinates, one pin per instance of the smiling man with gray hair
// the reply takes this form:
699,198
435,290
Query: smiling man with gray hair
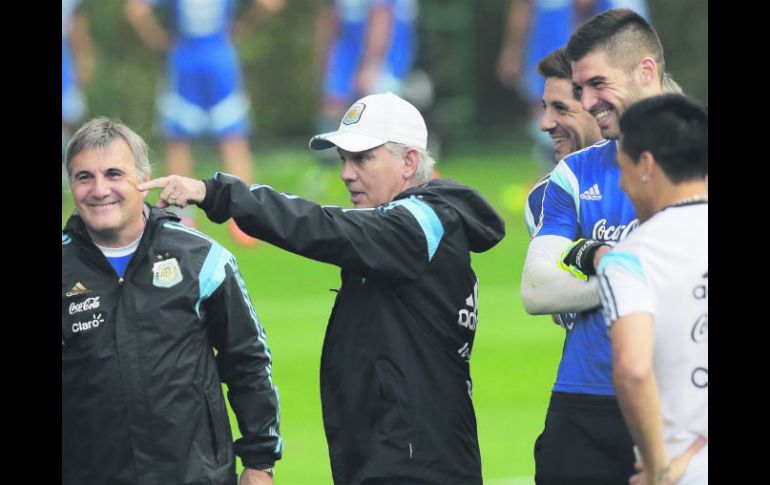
395,370
155,318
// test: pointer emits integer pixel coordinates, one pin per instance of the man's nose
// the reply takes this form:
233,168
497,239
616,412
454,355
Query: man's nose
588,99
348,172
547,122
102,187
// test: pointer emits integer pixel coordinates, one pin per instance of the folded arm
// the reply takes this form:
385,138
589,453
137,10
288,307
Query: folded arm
546,288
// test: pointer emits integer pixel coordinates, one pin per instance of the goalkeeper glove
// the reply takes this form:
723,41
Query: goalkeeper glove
578,257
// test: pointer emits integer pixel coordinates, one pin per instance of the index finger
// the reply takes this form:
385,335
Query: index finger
159,182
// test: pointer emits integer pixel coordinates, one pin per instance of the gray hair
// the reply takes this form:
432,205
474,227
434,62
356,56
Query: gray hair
425,165
99,133
670,86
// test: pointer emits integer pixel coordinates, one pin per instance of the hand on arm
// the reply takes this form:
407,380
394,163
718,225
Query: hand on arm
673,473
600,252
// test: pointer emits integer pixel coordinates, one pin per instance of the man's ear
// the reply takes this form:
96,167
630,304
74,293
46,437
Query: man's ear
648,71
411,161
647,164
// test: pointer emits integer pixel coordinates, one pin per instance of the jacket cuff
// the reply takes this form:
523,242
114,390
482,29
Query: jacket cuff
208,200
258,461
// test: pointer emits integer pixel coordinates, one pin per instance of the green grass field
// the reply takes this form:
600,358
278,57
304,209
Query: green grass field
514,357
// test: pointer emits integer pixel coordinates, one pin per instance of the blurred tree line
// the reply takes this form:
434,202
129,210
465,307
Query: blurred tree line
458,48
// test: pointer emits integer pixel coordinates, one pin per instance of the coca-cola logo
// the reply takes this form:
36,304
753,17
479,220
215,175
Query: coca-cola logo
603,232
85,305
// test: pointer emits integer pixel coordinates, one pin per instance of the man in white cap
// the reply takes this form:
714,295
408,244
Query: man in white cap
395,375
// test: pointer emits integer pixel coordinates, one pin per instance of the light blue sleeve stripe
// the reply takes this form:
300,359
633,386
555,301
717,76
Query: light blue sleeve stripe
563,177
65,239
273,431
211,276
262,337
212,273
178,226
529,219
428,220
629,262
247,300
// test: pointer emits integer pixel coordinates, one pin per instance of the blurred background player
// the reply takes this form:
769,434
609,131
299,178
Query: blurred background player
203,91
362,47
77,65
533,29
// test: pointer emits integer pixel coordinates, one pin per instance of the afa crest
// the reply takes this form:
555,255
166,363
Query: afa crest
353,114
166,273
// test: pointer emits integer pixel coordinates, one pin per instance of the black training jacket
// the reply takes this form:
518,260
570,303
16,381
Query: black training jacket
142,399
395,376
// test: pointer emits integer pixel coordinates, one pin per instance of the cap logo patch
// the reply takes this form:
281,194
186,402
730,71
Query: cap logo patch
354,114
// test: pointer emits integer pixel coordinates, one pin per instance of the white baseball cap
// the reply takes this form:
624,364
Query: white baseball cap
373,121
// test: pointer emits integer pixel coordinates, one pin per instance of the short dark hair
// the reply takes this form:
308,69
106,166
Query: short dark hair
674,129
622,34
556,64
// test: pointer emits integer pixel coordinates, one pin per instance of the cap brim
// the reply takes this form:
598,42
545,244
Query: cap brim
350,142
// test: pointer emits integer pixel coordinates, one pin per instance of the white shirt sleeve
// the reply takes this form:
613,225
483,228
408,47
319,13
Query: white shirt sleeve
546,288
623,286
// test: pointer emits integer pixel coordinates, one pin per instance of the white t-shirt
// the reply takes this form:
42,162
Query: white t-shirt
662,269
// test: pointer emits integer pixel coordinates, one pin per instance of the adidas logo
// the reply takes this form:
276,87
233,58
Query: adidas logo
592,193
467,318
78,289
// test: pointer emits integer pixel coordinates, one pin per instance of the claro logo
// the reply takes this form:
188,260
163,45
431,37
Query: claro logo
88,325
85,305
